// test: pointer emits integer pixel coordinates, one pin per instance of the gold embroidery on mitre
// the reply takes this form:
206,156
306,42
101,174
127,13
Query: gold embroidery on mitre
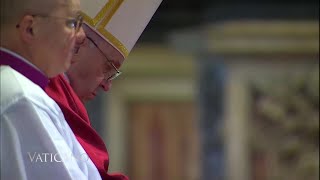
106,11
115,6
101,28
114,41
101,20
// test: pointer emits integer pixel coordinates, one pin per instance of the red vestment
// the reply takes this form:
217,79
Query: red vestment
77,117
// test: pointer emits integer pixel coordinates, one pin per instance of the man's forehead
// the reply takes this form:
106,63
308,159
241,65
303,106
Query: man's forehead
68,2
70,5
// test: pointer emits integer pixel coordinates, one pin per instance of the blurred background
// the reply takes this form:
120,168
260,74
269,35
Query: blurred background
218,90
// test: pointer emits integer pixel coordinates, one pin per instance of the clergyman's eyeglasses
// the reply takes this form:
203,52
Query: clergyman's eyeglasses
72,23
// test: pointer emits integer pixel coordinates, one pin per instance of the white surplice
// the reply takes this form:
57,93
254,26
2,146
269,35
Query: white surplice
36,141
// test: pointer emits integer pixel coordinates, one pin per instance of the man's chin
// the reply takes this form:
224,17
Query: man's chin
73,61
88,97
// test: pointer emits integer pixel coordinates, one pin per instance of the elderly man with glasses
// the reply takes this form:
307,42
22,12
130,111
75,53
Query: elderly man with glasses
112,30
38,40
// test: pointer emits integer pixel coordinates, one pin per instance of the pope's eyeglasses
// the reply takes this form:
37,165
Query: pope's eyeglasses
117,72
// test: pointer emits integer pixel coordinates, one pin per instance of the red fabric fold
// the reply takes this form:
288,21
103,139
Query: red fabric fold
77,117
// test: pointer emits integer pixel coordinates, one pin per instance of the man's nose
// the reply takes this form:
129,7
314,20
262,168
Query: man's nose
80,37
105,85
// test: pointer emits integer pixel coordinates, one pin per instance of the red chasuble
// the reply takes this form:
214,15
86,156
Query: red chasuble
77,117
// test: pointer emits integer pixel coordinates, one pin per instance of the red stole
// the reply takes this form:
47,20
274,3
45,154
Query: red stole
77,117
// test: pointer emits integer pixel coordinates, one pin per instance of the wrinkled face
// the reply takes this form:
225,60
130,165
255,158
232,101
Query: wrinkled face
55,38
91,69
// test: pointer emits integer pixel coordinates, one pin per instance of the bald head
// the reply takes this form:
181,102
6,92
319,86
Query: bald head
40,31
13,10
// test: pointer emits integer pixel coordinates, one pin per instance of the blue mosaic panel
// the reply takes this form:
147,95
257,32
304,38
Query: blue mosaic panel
211,96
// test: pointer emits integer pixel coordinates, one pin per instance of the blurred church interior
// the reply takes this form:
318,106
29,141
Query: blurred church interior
218,90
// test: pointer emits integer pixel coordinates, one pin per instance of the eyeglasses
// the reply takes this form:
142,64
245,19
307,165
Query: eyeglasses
72,23
117,72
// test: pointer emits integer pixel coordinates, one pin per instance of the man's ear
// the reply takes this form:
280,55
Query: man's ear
25,28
